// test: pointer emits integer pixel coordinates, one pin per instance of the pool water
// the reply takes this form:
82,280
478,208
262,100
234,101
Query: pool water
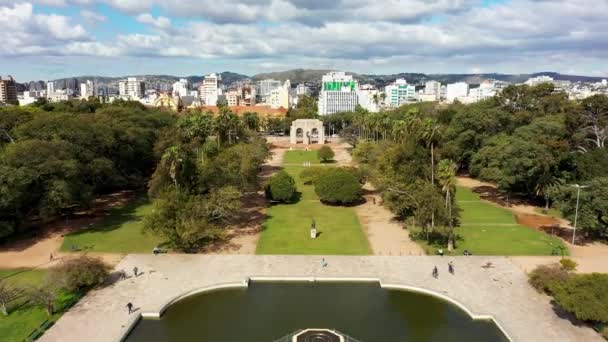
268,311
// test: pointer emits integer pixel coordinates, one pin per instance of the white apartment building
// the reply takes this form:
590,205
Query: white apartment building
538,80
399,93
266,86
181,88
60,95
50,87
279,97
87,89
233,97
369,98
302,89
433,88
456,90
132,88
210,90
338,93
29,97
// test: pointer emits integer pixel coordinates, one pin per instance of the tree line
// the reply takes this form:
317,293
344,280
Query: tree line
57,157
530,141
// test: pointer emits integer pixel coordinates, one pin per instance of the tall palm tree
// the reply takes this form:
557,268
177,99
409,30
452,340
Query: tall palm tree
447,179
544,184
172,160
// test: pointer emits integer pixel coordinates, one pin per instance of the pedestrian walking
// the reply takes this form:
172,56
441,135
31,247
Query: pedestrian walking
135,271
130,307
374,200
122,274
451,267
435,272
323,263
51,257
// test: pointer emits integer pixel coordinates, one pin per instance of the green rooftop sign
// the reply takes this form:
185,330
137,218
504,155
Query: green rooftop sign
338,85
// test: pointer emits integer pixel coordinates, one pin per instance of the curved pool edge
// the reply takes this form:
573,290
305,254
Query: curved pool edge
245,284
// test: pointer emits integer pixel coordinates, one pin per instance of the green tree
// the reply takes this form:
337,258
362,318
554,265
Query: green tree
79,273
325,154
447,180
338,186
281,187
584,295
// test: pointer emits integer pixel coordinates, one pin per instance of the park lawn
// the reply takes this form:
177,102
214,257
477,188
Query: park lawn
120,232
287,227
490,230
22,320
301,156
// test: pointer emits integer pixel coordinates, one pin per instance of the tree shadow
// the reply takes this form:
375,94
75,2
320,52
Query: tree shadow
563,314
117,207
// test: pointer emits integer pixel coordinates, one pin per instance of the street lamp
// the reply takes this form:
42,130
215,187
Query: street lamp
578,195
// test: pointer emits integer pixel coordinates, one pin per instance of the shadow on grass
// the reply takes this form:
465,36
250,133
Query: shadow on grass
116,218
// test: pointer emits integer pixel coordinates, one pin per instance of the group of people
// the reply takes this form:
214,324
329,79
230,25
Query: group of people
435,272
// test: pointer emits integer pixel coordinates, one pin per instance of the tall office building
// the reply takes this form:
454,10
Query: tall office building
87,89
181,88
266,86
400,93
338,93
279,97
210,91
433,88
456,90
50,88
8,90
132,88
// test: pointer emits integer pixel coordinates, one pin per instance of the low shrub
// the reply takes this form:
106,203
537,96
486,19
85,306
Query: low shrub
584,295
281,187
325,154
310,175
544,277
568,264
79,273
338,186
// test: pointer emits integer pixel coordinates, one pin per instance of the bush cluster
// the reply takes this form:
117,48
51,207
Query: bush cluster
281,187
338,186
325,154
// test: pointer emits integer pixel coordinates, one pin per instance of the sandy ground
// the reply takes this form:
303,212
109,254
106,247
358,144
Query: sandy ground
386,235
591,257
33,252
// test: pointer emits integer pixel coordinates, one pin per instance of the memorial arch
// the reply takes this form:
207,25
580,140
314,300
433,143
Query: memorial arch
311,130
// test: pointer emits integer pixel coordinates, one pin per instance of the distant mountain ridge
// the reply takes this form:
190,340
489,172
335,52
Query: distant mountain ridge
314,75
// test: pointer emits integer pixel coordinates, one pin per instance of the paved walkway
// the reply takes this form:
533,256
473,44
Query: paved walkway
501,291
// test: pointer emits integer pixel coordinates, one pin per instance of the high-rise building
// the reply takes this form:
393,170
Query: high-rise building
210,91
338,93
302,89
87,89
400,93
369,98
433,88
266,86
456,90
279,97
50,87
8,90
132,88
181,88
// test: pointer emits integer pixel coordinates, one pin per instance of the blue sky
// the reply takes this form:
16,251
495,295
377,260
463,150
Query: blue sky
47,39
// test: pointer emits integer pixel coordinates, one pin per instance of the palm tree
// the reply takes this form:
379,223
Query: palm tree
447,179
172,160
544,184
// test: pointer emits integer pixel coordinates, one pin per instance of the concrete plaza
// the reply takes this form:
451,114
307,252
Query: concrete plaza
500,291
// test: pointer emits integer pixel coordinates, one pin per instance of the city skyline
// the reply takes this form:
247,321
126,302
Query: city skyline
49,39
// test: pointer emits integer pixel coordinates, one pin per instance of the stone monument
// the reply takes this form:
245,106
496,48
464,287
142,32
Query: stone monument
310,129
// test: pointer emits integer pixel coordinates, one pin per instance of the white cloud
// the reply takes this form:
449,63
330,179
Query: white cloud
161,23
92,17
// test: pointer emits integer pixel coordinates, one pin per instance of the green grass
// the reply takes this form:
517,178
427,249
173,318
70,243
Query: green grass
287,228
120,232
22,318
301,156
490,230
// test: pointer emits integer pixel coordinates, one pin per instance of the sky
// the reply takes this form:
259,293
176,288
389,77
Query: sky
48,39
